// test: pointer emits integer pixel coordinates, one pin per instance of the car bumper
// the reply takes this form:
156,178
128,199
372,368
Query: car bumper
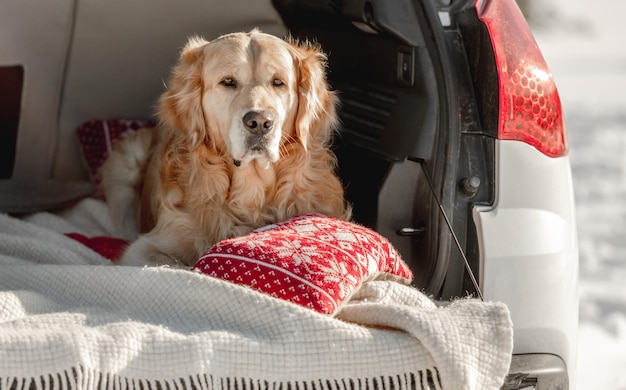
536,372
529,255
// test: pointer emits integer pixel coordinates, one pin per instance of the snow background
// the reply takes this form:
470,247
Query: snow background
584,44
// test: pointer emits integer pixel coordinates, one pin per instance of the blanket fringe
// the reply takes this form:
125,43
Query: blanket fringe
87,379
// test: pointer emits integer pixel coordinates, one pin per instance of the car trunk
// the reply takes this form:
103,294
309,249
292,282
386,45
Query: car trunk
410,145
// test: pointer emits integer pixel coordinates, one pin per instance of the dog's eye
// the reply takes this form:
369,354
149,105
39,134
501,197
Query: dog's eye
278,83
228,82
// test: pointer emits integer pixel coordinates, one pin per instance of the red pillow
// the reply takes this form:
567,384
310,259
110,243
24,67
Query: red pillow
311,260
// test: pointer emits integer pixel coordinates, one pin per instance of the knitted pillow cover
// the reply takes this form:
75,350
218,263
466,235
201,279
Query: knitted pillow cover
311,260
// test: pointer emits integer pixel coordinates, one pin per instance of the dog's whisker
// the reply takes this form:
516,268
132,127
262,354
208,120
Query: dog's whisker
283,148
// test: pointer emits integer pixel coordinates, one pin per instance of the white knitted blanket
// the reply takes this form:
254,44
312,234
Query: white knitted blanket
70,320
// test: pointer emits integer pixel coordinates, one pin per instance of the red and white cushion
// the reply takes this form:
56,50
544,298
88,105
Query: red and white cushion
311,260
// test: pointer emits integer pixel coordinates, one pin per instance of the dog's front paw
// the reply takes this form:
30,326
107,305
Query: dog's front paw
143,253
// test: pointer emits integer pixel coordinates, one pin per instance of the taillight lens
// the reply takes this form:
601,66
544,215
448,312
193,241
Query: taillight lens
530,108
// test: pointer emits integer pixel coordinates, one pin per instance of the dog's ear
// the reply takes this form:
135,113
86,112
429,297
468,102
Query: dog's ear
181,105
316,117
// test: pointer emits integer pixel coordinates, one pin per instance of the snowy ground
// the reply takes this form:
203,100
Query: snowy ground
583,43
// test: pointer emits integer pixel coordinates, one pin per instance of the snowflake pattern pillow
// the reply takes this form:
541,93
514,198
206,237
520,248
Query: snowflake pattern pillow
311,260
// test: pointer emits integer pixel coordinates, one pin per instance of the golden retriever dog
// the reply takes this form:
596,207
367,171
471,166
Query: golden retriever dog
242,142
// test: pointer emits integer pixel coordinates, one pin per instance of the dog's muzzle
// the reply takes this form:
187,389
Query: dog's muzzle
258,126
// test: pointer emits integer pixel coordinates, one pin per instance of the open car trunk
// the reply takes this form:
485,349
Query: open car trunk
407,115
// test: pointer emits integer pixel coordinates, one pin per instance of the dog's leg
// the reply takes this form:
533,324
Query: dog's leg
122,176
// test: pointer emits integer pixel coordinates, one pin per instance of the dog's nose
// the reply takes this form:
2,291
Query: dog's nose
259,122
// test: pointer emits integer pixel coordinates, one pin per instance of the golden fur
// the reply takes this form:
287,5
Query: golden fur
210,170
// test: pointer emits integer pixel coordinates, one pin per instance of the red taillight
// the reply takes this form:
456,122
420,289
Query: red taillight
530,108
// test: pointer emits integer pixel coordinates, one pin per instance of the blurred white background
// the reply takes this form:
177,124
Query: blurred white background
584,43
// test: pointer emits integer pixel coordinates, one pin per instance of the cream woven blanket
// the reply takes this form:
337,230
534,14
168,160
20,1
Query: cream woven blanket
70,320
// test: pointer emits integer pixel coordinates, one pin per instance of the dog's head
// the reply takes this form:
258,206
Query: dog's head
245,95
